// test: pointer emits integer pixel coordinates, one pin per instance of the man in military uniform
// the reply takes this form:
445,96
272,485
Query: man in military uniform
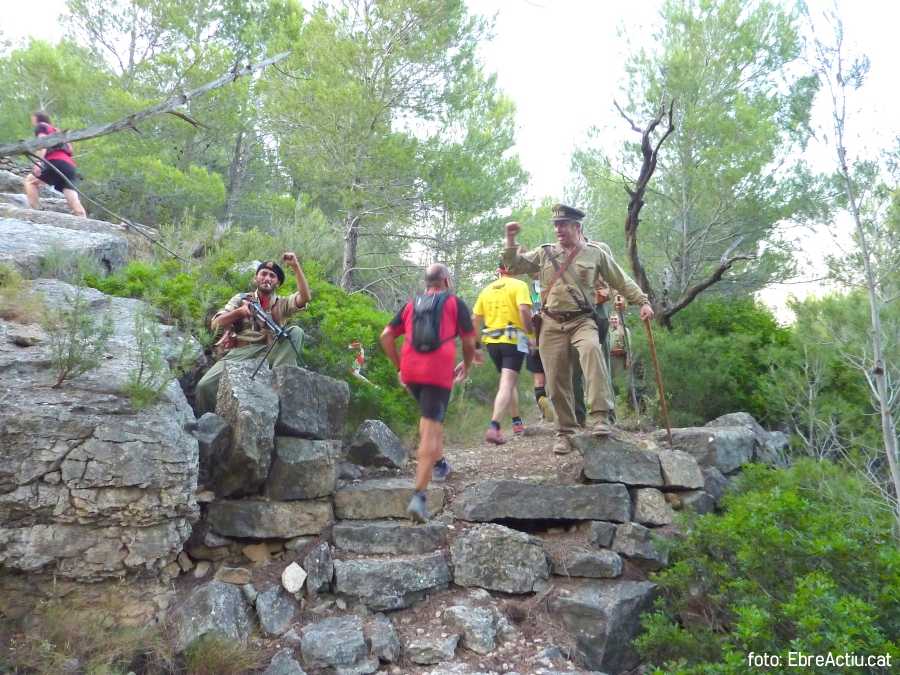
244,338
570,271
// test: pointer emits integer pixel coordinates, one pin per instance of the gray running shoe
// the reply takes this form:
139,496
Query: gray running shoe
417,509
441,470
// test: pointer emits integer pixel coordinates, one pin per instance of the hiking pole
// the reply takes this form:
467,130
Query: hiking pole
659,382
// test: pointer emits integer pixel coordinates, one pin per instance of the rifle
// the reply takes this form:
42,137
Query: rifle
278,332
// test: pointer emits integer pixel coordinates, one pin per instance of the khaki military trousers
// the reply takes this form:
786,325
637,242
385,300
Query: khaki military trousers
281,355
556,340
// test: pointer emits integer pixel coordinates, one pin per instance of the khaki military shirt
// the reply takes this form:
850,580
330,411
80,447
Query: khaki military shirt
249,331
594,266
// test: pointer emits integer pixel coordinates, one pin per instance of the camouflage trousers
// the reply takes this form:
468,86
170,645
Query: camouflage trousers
281,355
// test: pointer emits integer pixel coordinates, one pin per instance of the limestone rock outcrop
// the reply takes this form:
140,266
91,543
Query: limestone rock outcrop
90,487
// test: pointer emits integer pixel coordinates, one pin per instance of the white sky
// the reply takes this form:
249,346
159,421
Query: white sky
547,53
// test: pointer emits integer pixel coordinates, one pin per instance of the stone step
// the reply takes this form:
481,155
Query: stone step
391,583
20,201
383,498
392,537
522,500
26,245
255,519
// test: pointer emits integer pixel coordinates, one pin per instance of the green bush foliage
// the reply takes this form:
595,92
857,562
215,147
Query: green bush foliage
715,360
802,560
188,295
77,339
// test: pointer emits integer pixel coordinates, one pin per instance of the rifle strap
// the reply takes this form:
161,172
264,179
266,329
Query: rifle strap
557,274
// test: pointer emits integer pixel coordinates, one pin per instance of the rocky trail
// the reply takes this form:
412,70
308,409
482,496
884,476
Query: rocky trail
264,523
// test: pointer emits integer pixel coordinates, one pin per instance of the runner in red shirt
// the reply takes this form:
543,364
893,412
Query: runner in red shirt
429,377
56,168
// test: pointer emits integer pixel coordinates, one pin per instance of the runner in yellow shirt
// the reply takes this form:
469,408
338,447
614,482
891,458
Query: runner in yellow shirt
503,309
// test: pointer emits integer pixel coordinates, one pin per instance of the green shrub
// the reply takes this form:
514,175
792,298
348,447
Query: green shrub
714,361
188,295
802,560
77,339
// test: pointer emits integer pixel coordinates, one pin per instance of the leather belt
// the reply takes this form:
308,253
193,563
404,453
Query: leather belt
562,317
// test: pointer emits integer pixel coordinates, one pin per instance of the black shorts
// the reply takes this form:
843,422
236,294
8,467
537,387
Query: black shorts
52,178
534,363
505,356
432,400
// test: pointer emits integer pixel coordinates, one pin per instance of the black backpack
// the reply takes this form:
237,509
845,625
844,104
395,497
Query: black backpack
428,308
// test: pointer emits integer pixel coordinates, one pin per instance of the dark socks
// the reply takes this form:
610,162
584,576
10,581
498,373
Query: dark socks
495,424
441,462
517,420
538,392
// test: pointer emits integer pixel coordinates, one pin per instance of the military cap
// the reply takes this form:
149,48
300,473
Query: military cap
274,267
563,213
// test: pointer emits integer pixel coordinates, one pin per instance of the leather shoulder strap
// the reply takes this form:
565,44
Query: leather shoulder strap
559,270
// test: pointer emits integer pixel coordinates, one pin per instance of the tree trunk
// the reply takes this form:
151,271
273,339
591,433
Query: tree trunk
351,246
650,153
237,171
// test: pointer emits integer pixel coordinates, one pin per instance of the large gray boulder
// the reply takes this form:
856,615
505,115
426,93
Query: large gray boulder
250,407
498,559
604,618
319,566
714,483
391,583
521,500
29,247
617,460
477,625
284,663
725,448
302,469
213,608
213,436
382,498
600,533
374,537
374,444
638,543
255,519
381,636
337,642
312,405
680,470
771,445
276,610
651,507
90,487
430,650
574,561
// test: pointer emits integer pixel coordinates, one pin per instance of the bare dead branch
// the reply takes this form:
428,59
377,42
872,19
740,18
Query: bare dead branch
636,193
130,121
691,293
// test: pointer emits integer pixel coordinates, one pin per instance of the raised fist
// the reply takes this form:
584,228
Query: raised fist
289,258
513,228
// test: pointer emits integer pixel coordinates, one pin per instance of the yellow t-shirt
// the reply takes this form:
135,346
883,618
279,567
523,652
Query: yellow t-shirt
499,305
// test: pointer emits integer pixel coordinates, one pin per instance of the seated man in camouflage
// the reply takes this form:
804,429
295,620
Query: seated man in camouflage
244,338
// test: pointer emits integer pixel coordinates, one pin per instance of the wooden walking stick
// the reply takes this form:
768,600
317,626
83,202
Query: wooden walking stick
659,382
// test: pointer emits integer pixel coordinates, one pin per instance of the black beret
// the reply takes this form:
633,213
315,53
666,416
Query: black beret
273,266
